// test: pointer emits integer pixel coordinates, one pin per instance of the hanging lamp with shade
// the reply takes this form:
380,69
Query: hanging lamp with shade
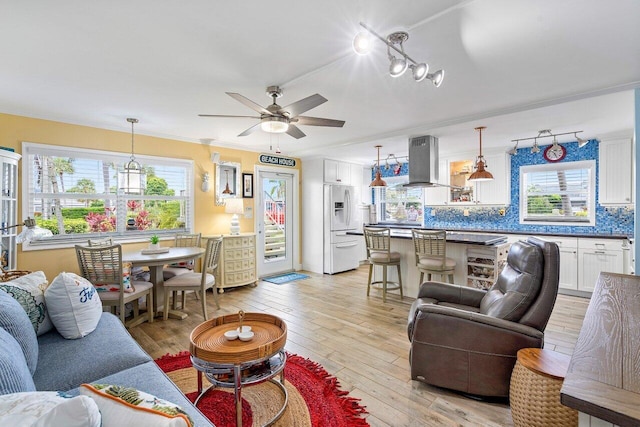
132,180
480,174
378,181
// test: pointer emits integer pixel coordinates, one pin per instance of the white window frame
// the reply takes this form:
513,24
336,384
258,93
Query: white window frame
591,203
119,236
395,181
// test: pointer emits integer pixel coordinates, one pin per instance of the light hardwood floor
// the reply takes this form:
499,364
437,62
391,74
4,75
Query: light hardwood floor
362,341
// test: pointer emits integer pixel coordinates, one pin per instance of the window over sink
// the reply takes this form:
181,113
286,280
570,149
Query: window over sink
559,193
398,204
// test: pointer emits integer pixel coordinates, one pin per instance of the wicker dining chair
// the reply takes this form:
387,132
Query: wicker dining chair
182,240
103,266
198,282
431,254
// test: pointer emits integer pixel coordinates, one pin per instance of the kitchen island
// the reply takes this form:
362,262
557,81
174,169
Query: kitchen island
479,258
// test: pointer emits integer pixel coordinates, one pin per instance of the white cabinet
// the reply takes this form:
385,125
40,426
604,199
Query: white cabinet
484,264
237,263
497,191
595,256
616,172
9,205
568,247
337,172
457,190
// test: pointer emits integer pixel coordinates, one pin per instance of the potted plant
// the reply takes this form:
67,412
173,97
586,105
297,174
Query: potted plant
154,242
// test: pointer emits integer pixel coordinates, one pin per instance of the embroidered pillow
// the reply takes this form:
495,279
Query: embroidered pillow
74,305
126,280
48,408
127,407
28,290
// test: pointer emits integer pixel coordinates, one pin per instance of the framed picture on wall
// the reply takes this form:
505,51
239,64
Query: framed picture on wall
247,185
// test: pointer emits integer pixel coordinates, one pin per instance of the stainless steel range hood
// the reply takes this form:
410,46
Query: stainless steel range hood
423,161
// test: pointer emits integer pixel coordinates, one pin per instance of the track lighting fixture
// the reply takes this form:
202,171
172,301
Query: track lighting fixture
546,133
514,150
363,44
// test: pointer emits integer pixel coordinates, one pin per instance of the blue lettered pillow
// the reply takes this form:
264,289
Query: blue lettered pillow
74,305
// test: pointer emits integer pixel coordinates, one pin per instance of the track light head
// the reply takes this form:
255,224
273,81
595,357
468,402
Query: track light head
419,71
362,43
397,67
436,77
535,149
581,142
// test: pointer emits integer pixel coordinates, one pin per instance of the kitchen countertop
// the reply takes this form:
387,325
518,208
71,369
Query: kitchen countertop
452,237
499,232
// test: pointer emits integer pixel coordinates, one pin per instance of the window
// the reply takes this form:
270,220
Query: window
74,193
400,204
561,193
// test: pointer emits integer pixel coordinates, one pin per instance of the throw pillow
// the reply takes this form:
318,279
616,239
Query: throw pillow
127,407
74,305
28,290
126,280
48,408
15,321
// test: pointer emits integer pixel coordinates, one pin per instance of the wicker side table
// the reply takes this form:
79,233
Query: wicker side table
534,392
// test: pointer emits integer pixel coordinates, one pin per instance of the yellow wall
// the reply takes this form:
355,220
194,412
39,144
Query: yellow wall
209,218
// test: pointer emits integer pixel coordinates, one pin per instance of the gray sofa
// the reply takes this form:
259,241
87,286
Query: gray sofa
49,362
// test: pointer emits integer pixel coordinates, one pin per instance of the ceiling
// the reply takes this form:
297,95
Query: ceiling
515,67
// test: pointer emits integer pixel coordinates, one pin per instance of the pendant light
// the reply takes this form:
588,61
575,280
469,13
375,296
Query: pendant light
378,181
227,190
480,174
132,180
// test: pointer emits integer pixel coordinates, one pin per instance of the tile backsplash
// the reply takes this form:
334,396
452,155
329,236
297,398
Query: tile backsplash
609,220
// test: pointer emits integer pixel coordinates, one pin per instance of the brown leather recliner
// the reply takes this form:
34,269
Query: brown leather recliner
466,339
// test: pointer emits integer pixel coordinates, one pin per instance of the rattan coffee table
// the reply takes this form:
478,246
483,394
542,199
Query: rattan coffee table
236,364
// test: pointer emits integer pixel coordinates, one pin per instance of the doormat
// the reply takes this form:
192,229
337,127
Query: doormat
315,396
281,279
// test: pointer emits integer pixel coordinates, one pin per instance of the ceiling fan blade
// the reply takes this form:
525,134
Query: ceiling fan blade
303,105
250,130
317,121
295,132
235,117
249,103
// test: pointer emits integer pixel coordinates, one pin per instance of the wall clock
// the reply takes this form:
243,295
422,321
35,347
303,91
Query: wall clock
554,153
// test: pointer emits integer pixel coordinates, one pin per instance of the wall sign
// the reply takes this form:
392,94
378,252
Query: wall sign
269,159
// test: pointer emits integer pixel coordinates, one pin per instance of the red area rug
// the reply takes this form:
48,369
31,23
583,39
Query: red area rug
315,397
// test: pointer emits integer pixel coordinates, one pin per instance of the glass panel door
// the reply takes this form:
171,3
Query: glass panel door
275,220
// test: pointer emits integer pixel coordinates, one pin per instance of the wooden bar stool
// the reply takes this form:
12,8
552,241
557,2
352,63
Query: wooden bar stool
431,254
534,392
378,241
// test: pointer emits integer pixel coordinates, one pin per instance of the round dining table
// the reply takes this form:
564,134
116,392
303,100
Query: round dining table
155,262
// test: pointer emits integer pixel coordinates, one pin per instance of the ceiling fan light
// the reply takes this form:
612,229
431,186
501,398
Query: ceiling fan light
420,71
436,77
362,43
398,66
274,125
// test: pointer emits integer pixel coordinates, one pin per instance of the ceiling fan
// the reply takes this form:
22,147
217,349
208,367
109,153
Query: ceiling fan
277,119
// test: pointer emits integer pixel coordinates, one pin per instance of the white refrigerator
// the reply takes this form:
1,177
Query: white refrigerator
341,250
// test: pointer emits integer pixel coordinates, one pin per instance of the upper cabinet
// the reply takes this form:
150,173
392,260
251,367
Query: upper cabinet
456,189
615,179
337,172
